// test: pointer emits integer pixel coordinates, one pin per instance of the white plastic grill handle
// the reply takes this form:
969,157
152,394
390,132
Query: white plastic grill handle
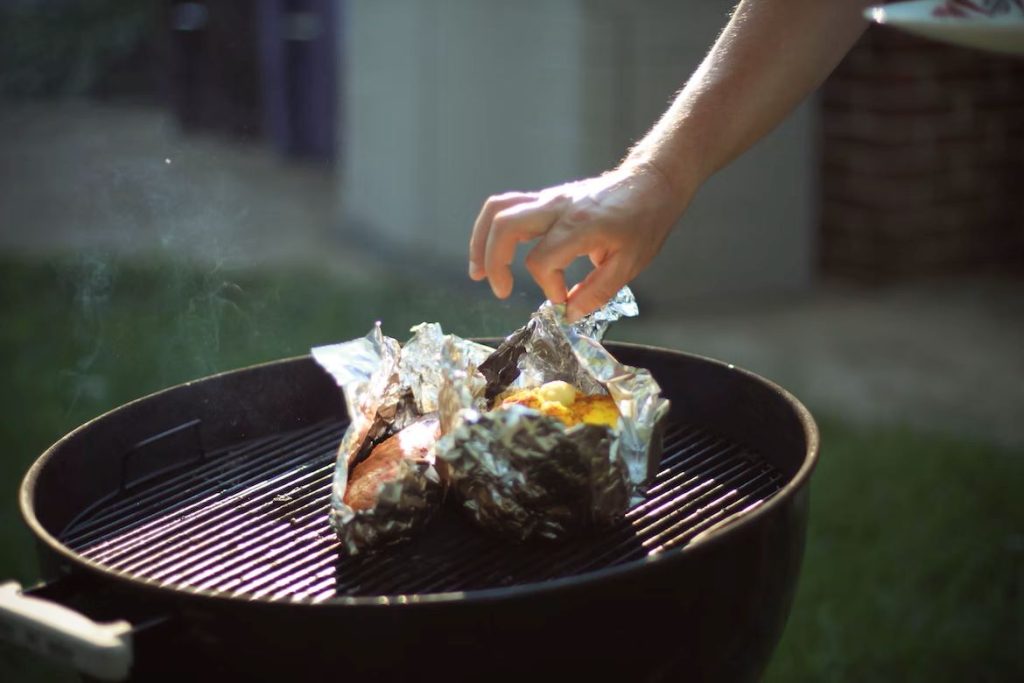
100,650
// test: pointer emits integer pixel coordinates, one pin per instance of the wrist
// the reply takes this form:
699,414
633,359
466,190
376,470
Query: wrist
678,188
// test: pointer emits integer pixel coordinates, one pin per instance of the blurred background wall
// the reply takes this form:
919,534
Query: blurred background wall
405,116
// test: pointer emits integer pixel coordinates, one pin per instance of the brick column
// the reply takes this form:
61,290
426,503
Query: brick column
922,160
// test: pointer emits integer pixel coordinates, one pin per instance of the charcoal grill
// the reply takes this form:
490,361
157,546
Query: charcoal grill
198,517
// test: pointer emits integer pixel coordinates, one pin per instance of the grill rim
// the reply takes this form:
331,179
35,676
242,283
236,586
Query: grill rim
485,595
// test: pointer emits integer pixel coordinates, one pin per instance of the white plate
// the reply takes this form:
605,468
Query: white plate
1002,33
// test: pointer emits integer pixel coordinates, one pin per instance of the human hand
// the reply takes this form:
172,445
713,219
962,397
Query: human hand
619,220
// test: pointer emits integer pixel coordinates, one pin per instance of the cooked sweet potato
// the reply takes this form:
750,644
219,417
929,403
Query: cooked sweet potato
415,443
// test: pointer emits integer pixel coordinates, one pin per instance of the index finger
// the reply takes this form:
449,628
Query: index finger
482,228
597,288
520,223
548,260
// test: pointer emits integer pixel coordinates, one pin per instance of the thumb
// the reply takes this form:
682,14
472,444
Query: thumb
597,288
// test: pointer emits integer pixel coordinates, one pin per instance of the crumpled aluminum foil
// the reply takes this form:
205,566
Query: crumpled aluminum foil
517,471
500,462
387,387
520,473
404,504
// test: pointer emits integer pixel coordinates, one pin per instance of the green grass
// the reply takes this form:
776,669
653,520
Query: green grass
914,568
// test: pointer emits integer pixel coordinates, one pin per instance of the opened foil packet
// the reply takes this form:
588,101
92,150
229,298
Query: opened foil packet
390,391
525,474
514,470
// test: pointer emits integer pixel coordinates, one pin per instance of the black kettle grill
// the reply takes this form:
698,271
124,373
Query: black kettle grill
185,534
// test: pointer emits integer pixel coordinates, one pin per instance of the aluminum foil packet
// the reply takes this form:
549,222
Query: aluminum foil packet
516,470
388,386
522,474
525,474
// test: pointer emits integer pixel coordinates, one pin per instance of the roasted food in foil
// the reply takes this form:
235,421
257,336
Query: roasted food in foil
543,437
521,473
563,402
395,489
387,481
390,461
527,467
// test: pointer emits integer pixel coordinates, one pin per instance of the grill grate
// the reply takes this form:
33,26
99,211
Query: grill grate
251,520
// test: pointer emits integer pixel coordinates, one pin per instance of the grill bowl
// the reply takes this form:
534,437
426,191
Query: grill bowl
708,602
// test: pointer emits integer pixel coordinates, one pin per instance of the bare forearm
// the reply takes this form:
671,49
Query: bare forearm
770,56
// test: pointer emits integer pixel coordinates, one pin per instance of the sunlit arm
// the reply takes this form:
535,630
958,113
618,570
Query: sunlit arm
769,57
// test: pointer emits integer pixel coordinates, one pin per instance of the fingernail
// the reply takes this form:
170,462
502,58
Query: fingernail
475,271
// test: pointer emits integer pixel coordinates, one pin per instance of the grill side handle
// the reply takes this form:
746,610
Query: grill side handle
102,650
